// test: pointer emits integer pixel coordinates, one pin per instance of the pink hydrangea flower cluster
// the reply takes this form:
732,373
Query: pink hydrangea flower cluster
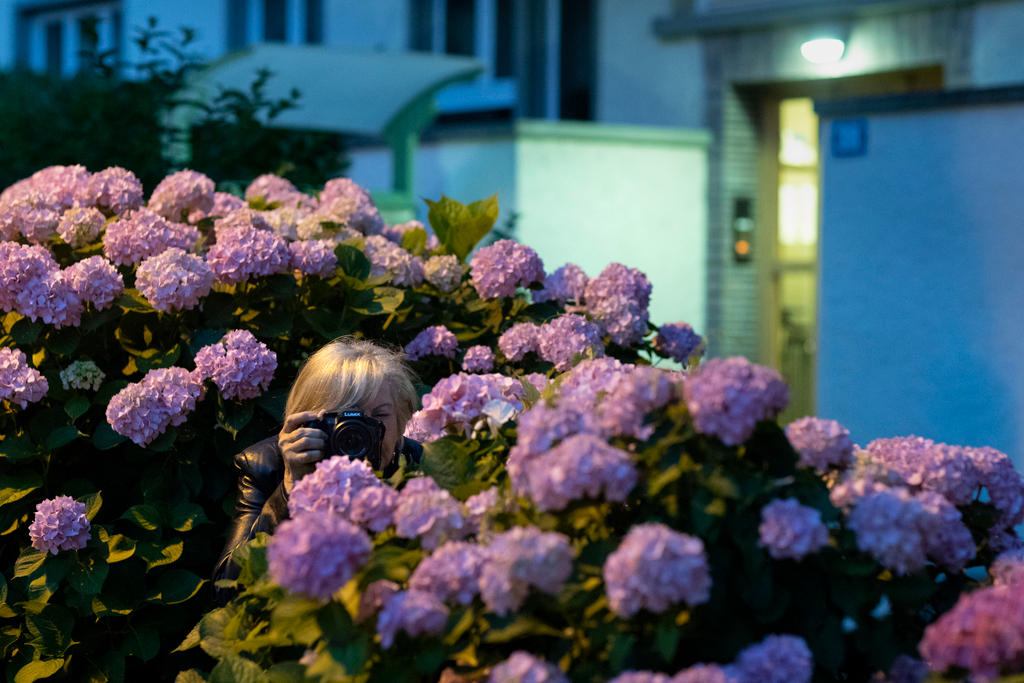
60,524
239,364
387,258
523,667
776,659
429,513
519,340
80,225
582,465
727,397
791,531
983,634
568,283
437,340
276,190
520,559
397,232
32,284
906,669
224,203
332,487
414,612
499,269
443,271
679,342
478,359
244,250
32,207
115,190
143,233
480,505
362,214
182,193
822,444
654,568
94,280
316,554
19,382
641,677
174,280
142,411
374,508
451,573
458,401
617,301
562,340
374,597
1008,567
314,257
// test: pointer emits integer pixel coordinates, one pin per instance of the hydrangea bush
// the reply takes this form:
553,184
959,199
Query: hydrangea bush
580,513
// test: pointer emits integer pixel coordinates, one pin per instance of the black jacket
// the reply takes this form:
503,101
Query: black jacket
263,503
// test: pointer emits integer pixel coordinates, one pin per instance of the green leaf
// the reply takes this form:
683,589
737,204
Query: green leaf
191,640
178,585
190,676
50,631
415,241
459,226
666,639
156,554
132,300
187,516
29,561
16,486
281,286
61,436
144,516
26,331
219,309
87,575
449,461
105,438
235,669
233,416
63,342
522,626
119,547
93,502
76,406
327,323
142,641
353,262
16,448
40,668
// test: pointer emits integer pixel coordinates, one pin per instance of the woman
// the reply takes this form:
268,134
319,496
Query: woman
346,374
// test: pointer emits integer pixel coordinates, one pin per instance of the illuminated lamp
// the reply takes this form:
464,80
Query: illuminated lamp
823,50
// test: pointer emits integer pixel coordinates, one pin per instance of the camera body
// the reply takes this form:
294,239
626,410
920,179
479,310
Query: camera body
351,433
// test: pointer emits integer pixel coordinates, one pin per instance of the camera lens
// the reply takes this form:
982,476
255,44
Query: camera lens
352,439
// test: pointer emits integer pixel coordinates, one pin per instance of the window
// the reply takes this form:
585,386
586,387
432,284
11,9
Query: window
54,48
274,21
58,39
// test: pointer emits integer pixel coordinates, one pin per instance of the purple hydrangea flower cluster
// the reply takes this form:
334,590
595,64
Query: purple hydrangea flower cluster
589,379
1008,567
480,505
654,568
519,340
451,573
458,401
822,444
224,203
60,524
521,558
678,341
244,250
561,340
791,531
32,207
582,465
727,397
443,271
239,364
80,225
144,233
478,359
776,659
433,341
397,232
387,258
275,190
374,597
414,612
641,677
931,466
19,382
331,487
523,667
905,669
363,214
568,283
94,280
499,269
314,257
84,375
53,300
143,410
1002,481
373,508
982,634
32,284
428,512
115,190
708,673
540,428
181,193
617,301
631,394
316,554
174,280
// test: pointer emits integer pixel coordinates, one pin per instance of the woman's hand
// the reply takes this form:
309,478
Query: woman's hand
302,447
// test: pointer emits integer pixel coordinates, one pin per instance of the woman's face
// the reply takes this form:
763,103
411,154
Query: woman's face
382,407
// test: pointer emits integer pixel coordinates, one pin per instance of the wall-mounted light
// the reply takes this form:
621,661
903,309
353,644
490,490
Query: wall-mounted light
823,50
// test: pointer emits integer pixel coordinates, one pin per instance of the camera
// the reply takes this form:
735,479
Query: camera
352,433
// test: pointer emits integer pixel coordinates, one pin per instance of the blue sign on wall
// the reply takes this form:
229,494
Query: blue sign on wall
849,137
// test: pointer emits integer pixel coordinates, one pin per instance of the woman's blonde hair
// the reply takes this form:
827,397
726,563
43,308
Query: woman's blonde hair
348,371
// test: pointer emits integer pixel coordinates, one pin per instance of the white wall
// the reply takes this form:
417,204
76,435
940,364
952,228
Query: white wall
996,58
921,279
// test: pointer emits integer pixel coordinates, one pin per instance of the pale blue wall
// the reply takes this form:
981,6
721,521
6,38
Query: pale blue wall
922,279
